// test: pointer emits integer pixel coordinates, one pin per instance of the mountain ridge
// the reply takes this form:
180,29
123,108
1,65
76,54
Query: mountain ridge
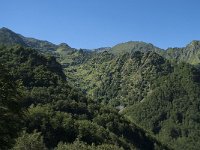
42,45
157,90
189,53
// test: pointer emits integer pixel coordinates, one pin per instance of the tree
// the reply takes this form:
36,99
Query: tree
33,141
10,110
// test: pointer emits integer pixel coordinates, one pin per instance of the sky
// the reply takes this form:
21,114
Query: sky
104,23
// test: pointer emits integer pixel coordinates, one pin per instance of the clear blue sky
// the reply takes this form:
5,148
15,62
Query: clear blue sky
98,23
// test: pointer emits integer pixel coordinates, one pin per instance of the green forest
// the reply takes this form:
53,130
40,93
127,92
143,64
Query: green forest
131,96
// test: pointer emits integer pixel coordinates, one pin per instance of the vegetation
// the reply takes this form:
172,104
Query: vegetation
131,96
171,111
10,110
57,112
189,54
119,81
131,46
33,141
155,94
83,146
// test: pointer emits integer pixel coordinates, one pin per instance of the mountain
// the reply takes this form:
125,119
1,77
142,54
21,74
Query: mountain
171,111
102,49
133,46
156,94
8,37
55,112
121,80
132,95
63,52
189,54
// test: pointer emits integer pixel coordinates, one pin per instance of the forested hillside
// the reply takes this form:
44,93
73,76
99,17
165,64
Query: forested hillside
118,80
35,87
131,96
157,94
171,111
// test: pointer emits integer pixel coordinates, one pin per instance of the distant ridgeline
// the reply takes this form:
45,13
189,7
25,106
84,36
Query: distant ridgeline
189,54
131,96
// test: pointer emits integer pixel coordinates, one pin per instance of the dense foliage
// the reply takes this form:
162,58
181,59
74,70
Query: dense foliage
150,91
119,81
131,96
10,110
57,112
172,111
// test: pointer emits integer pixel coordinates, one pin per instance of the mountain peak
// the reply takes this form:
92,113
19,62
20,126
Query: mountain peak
133,46
64,45
8,37
194,43
4,28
